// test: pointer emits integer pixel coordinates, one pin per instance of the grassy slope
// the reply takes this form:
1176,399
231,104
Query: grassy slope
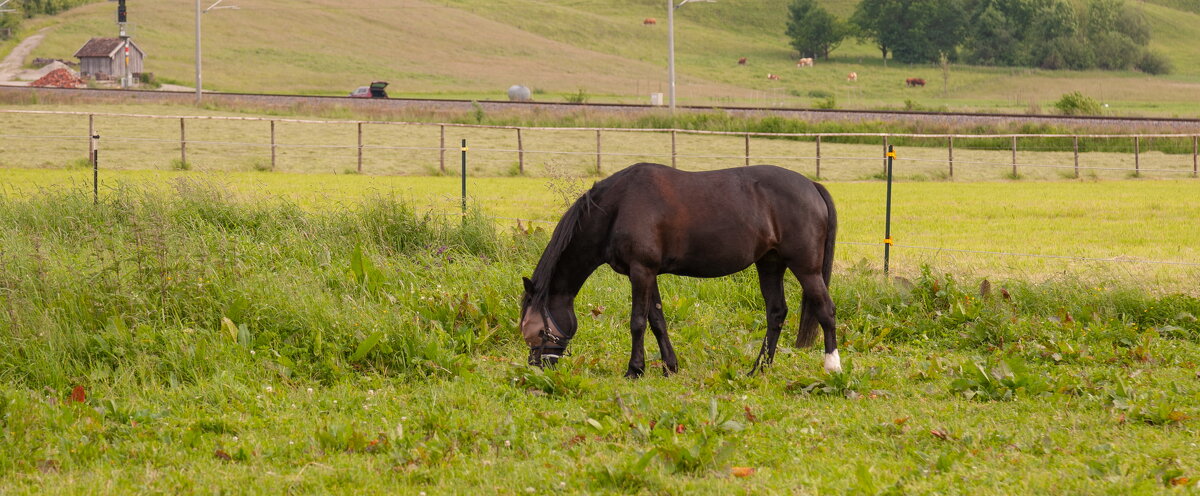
476,49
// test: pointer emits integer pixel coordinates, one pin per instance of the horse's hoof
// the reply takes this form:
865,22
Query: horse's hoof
633,373
833,363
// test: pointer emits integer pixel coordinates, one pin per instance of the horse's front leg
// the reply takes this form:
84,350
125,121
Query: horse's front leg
658,324
643,281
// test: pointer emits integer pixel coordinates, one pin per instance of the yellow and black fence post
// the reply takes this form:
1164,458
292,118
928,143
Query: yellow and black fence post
95,169
887,223
464,179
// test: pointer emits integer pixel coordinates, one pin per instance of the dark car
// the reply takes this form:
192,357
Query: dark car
375,90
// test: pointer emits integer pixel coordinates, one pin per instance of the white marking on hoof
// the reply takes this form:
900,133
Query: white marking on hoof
832,362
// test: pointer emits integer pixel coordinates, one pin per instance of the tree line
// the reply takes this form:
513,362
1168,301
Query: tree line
1051,34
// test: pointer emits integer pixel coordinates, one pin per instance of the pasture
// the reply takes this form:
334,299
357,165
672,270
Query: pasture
601,50
268,332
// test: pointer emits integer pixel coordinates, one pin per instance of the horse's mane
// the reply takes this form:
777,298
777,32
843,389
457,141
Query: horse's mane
564,232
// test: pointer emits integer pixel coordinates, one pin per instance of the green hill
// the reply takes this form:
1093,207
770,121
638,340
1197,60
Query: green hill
475,49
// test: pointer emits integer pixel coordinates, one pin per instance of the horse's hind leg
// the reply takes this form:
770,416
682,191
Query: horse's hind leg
817,308
658,324
770,281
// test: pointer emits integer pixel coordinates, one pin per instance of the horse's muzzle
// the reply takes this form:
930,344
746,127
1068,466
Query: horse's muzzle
545,356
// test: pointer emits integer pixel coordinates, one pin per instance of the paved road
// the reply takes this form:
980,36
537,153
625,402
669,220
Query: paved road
11,65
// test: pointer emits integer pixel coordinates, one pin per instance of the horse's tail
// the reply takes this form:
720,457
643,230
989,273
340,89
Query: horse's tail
809,305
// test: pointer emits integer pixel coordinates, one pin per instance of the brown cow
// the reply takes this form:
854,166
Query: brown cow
650,21
804,62
911,82
742,61
773,76
852,77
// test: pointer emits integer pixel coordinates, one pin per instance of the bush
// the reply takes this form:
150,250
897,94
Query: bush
829,103
579,97
1076,103
1153,63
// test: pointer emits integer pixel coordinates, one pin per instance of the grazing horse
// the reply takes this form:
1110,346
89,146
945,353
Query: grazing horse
650,219
912,82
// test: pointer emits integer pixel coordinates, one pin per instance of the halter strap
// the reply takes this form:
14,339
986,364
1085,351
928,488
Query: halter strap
546,337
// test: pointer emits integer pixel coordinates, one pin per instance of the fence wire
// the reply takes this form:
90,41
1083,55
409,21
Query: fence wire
676,155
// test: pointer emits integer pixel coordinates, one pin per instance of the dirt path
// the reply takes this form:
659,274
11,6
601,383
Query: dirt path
12,63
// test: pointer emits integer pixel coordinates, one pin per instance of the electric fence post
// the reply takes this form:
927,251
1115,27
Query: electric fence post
464,180
887,224
95,138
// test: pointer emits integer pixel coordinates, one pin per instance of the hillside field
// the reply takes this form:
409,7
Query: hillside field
471,49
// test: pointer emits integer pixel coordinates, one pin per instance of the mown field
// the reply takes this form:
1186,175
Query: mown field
268,332
603,50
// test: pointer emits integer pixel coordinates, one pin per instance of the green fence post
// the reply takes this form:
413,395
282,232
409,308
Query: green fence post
464,180
887,225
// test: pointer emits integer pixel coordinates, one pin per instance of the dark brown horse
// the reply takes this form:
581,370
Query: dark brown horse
650,219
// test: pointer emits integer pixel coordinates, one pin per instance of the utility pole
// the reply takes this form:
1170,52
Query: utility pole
671,46
122,18
198,13
197,52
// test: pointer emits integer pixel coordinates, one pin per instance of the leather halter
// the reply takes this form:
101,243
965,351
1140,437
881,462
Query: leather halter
538,355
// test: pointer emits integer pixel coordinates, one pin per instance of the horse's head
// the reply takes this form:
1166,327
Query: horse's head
545,337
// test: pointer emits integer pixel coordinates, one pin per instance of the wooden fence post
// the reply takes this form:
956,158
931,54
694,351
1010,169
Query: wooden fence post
360,147
1014,157
1075,140
747,148
272,145
520,153
951,149
597,151
673,164
442,151
818,156
1195,139
1137,155
182,143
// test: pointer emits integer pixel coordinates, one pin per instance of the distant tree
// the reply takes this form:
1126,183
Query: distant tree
938,29
813,30
871,21
913,30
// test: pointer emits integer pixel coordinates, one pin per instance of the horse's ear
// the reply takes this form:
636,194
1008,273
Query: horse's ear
528,285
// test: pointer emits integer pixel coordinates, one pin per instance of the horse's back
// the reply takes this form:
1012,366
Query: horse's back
708,223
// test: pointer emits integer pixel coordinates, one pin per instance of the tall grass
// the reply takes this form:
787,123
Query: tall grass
223,337
170,286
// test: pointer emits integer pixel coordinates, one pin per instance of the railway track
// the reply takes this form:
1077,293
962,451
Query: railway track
1161,124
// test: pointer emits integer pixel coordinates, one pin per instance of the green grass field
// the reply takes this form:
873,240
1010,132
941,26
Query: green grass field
268,333
559,48
232,329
